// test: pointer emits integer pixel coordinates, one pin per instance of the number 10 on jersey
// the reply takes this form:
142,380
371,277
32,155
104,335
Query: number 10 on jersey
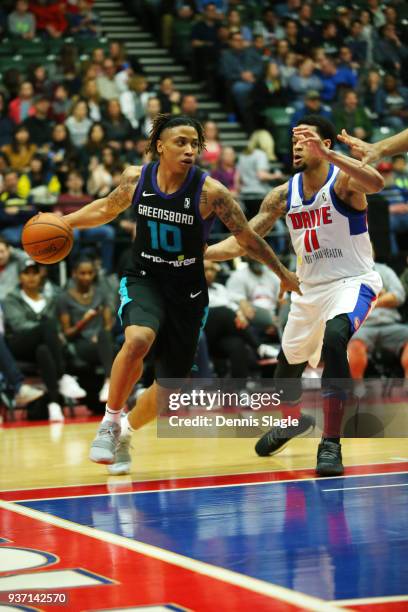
165,237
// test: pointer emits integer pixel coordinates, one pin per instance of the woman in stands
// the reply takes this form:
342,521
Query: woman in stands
86,320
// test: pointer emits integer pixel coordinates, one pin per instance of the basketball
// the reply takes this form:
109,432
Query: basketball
47,238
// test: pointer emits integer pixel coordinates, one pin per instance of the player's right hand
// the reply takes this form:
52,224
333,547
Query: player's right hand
359,149
289,282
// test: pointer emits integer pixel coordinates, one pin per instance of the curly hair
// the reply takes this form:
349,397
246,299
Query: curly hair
164,121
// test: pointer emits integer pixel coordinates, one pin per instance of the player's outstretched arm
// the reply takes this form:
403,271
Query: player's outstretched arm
272,208
371,152
230,213
108,208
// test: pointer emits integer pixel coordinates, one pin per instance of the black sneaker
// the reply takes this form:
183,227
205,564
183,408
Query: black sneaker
277,438
329,459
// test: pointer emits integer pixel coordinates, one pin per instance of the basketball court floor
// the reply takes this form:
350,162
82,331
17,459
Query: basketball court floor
200,524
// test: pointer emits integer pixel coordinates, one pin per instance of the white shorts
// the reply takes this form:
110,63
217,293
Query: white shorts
304,331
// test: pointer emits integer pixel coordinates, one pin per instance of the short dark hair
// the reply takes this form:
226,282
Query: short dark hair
164,121
324,127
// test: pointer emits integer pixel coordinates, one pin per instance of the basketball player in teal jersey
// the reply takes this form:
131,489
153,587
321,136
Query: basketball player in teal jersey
164,294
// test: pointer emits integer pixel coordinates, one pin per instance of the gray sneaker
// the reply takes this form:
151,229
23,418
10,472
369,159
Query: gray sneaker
123,460
104,445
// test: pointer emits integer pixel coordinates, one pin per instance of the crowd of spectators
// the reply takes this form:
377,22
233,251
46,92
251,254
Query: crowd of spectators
76,108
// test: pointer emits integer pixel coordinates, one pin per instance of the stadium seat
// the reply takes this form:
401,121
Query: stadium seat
28,48
278,121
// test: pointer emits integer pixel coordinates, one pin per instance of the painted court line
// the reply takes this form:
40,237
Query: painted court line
230,474
216,486
403,484
305,602
370,600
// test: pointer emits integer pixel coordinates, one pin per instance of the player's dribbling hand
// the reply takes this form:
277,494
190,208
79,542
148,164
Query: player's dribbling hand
289,282
358,148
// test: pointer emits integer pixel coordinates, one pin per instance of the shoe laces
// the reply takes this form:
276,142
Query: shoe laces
329,450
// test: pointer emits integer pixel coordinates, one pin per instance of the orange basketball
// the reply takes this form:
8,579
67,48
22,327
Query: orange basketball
47,238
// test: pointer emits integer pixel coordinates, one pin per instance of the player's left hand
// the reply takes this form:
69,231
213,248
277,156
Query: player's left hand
313,141
289,282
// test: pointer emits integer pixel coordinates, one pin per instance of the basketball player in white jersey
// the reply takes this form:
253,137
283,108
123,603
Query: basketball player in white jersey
325,208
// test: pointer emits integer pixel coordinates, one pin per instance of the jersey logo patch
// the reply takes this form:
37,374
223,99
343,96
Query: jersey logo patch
187,202
194,295
146,195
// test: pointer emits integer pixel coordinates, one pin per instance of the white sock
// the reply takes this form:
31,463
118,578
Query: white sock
111,415
126,428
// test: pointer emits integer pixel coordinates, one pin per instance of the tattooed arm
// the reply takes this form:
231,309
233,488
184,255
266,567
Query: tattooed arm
230,213
108,208
272,207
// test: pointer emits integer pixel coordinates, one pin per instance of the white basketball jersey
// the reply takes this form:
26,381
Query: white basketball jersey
330,239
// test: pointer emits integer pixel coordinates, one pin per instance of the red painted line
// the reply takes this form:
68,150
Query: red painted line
198,482
139,580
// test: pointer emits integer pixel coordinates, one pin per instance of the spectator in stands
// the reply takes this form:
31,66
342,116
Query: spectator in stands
4,166
169,96
100,181
293,38
78,123
20,152
38,125
227,330
118,129
39,185
32,335
21,23
14,210
332,78
153,108
253,168
190,108
204,42
211,154
383,329
307,28
288,68
396,195
330,39
390,53
367,33
11,377
94,145
376,13
220,7
104,235
357,42
134,101
303,81
268,91
107,85
241,67
117,53
373,95
395,103
90,93
38,76
400,170
60,104
312,105
68,69
97,59
6,125
23,106
234,25
352,117
255,290
10,261
270,28
84,23
86,321
226,171
50,17
61,154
